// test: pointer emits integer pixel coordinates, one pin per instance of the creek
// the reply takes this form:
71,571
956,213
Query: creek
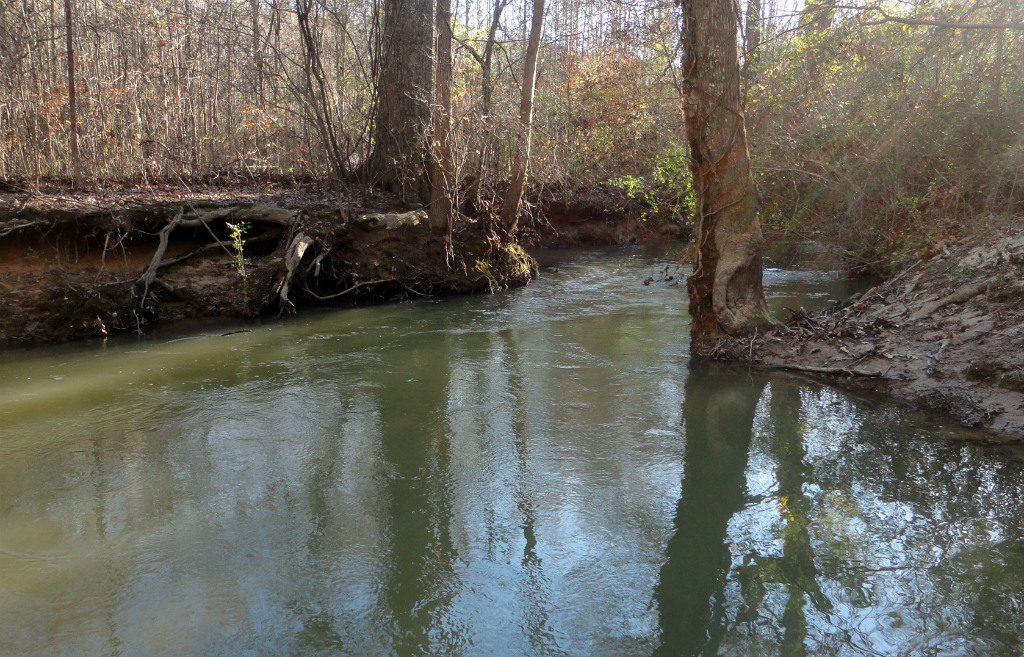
539,472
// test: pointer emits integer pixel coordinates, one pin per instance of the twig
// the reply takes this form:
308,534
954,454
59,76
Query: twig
13,229
422,294
844,371
191,252
343,292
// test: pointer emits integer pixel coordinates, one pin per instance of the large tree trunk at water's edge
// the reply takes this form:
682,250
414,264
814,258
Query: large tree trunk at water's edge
726,296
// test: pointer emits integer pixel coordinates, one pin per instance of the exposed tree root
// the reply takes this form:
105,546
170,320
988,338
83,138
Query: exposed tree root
355,287
149,276
122,268
292,258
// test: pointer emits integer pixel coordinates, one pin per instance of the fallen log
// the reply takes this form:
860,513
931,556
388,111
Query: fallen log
237,213
390,221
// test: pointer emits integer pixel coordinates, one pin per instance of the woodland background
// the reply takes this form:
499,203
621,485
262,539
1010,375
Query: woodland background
882,127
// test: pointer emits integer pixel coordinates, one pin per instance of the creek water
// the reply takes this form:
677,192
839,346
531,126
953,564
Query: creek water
541,472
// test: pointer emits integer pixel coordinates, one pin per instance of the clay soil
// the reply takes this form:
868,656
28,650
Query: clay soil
945,335
75,265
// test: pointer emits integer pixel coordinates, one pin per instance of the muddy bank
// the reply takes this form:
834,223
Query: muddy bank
945,335
598,216
76,265
83,267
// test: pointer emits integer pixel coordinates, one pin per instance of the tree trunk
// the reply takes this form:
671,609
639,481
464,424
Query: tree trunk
76,162
257,53
726,295
398,161
753,38
442,187
521,165
486,81
480,163
818,15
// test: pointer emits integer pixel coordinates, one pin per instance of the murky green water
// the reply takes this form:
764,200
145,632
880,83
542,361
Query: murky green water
534,473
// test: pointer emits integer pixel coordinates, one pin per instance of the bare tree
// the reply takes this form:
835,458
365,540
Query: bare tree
442,188
521,164
76,158
319,99
486,61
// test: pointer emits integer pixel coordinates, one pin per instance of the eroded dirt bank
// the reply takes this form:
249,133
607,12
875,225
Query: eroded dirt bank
87,266
945,335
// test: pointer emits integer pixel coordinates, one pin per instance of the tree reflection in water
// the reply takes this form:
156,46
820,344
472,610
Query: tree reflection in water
814,524
522,475
719,415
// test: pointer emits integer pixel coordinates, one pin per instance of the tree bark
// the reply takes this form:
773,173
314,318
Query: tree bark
752,41
521,165
442,187
398,161
76,162
726,294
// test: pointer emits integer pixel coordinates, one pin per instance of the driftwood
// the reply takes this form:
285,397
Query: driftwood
834,371
292,258
959,296
390,221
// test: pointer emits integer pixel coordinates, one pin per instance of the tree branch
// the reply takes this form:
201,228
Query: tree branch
886,17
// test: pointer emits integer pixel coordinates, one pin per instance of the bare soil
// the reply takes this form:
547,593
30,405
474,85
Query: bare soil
945,335
598,216
87,264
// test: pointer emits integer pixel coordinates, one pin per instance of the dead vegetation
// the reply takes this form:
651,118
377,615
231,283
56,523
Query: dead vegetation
946,334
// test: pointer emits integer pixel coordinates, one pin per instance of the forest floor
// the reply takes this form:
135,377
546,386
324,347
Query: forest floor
945,335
